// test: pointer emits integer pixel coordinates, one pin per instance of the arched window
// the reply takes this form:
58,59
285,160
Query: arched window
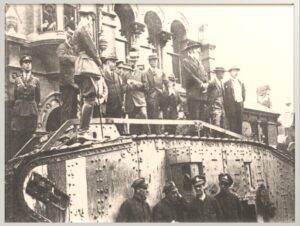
154,26
179,35
124,35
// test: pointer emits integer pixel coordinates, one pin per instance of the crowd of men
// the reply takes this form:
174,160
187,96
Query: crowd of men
112,88
223,207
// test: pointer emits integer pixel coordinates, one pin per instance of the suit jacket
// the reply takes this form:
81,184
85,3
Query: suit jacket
158,82
195,75
67,58
88,61
229,101
215,94
135,85
114,85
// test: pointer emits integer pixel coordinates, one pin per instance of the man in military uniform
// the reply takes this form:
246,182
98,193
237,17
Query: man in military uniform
235,95
135,86
68,88
229,202
215,96
203,208
87,67
27,98
158,86
196,84
172,207
136,209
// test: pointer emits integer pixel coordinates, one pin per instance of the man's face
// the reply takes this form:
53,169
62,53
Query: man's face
220,74
172,196
26,65
142,192
111,64
224,186
195,52
234,73
199,188
132,63
153,63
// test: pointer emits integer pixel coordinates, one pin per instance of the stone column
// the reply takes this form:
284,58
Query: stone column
207,56
60,17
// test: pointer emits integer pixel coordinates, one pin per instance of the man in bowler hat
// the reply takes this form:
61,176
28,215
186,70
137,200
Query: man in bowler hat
172,207
203,208
229,202
136,209
196,84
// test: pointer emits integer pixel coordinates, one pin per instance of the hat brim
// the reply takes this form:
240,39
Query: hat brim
194,46
219,70
234,69
201,182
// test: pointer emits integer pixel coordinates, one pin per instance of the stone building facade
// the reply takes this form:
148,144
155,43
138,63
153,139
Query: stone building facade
38,30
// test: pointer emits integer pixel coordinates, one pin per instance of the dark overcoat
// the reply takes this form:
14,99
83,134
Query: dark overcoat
207,210
195,75
134,210
231,207
166,211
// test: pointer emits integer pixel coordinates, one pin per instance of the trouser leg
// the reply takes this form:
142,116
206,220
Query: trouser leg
88,91
69,106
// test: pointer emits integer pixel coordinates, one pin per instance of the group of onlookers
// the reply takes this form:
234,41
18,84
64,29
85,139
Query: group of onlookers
223,207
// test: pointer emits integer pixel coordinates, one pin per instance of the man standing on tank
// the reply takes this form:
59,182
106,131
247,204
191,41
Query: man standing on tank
87,67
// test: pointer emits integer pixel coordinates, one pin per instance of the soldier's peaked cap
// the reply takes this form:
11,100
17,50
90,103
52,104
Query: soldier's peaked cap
139,183
25,58
199,179
169,186
225,177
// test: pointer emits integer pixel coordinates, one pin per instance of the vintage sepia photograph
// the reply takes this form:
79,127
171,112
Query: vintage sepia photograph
149,113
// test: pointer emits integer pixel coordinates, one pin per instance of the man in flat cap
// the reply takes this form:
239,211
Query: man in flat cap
158,86
196,84
215,98
172,207
203,208
234,100
136,209
68,88
229,202
27,97
115,91
87,67
173,103
135,86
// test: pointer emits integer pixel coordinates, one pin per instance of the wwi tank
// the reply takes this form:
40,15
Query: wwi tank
54,179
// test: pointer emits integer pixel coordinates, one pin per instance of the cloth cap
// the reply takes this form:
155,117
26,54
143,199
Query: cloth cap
169,187
233,68
139,183
199,179
110,57
25,58
225,177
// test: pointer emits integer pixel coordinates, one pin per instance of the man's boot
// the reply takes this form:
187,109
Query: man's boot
87,112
